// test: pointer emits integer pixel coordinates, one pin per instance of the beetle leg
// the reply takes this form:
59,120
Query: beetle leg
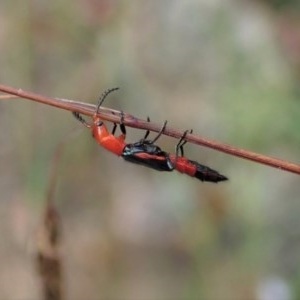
160,132
122,126
182,142
147,132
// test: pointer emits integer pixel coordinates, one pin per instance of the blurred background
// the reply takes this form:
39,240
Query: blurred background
228,69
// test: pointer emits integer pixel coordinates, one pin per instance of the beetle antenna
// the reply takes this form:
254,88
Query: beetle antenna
81,119
103,96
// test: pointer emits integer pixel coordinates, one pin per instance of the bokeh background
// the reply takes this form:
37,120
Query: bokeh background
228,69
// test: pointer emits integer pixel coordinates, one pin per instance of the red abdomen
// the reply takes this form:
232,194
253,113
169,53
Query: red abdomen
183,165
194,169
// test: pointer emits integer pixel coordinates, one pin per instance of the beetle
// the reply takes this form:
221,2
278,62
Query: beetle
145,152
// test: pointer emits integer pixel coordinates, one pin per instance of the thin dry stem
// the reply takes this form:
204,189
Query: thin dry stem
49,259
131,121
2,97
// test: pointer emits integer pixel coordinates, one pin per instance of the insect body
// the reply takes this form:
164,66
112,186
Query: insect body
146,152
148,155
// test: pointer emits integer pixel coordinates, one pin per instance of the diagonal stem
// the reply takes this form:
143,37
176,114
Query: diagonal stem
112,115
